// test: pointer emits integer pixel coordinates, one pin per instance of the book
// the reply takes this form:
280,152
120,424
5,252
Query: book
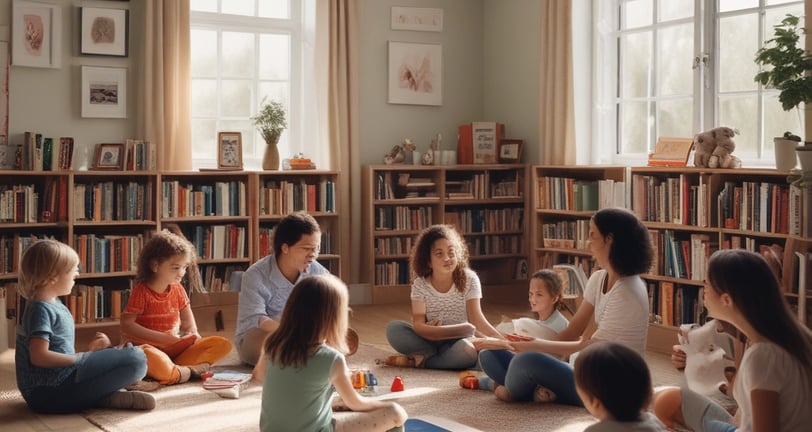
573,279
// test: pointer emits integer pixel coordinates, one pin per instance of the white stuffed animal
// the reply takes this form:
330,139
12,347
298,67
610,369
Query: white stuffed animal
709,352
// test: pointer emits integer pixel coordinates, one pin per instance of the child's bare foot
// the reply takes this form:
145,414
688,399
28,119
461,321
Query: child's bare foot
100,341
543,394
501,392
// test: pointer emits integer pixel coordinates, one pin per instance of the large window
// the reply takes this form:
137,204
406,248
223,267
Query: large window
245,52
678,67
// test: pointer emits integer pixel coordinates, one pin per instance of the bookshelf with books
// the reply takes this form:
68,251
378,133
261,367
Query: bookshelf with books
314,191
564,198
486,203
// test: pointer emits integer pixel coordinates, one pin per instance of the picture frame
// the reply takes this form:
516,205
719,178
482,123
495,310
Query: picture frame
36,30
109,157
522,272
104,92
417,19
104,31
229,150
510,150
415,73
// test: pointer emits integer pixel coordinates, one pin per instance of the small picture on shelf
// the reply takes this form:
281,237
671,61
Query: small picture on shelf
522,272
510,150
108,157
229,150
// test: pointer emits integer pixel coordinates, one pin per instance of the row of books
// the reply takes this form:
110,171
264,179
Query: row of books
12,247
566,234
217,278
86,303
140,155
266,241
681,255
283,197
392,273
37,153
800,209
483,220
218,241
755,206
19,203
219,199
563,193
387,246
674,305
495,245
673,200
110,253
112,201
403,218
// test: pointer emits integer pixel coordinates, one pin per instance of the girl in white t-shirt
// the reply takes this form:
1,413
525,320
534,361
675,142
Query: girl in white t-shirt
773,385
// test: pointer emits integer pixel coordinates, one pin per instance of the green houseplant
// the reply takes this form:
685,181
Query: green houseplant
788,73
271,122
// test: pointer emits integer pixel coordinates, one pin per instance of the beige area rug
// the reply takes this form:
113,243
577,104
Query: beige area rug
429,393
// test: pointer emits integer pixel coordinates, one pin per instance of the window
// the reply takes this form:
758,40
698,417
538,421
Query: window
679,67
244,52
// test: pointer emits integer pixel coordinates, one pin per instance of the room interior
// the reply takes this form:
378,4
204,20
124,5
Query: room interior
489,83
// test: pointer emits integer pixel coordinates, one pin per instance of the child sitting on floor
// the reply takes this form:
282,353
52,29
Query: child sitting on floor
158,316
614,383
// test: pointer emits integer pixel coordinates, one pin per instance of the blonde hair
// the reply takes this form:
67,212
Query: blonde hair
43,261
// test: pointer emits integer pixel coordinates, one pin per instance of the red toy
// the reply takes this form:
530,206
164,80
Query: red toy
397,384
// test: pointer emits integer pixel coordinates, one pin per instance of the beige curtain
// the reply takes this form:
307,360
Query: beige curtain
343,124
164,98
556,119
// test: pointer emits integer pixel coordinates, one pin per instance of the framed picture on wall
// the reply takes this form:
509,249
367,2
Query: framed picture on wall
415,73
36,34
104,31
104,92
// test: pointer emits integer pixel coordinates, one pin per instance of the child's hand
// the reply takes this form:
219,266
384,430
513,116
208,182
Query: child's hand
434,323
100,341
179,346
678,357
492,343
513,337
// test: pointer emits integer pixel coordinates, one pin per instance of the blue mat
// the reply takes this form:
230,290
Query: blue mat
417,425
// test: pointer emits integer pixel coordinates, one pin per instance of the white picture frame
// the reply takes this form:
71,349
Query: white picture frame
417,19
36,34
415,73
104,92
104,31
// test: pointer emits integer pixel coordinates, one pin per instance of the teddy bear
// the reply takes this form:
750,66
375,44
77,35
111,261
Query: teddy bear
714,149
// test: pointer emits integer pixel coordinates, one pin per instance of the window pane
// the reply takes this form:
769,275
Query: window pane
236,98
238,55
203,5
675,55
277,91
636,65
203,57
738,42
636,129
636,13
238,7
777,121
274,8
274,56
731,5
740,112
774,16
675,118
204,138
675,9
204,98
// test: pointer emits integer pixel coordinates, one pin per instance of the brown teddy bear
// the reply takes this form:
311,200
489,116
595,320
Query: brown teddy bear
714,148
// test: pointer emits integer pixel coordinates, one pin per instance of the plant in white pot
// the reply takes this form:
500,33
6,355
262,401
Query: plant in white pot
270,121
789,65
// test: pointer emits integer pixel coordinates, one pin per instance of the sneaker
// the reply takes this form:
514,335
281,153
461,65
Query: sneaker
543,394
469,380
133,400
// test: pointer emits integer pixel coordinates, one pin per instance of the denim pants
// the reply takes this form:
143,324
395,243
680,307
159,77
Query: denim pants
98,375
521,373
445,354
703,415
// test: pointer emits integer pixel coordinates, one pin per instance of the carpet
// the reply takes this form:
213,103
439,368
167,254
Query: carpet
429,393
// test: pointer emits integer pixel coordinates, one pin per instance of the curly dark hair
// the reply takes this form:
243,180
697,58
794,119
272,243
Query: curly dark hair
160,247
420,260
291,229
631,251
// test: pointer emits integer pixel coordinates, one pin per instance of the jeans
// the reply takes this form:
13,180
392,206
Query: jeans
445,354
521,373
702,414
99,374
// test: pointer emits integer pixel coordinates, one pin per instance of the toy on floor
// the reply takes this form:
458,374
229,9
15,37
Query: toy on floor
397,384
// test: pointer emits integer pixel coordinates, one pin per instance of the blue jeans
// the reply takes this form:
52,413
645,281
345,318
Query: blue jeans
99,374
445,354
703,415
521,373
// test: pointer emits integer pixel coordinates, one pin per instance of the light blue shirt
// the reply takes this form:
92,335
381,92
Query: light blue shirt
264,292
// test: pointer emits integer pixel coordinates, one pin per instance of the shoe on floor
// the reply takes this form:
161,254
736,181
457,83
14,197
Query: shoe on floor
143,385
199,369
543,394
133,400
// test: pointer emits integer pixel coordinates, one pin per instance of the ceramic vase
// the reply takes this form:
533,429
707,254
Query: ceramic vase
270,160
805,156
785,155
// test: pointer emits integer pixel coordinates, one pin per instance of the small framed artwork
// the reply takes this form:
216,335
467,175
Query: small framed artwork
229,150
36,30
104,31
415,73
510,150
417,19
109,157
104,92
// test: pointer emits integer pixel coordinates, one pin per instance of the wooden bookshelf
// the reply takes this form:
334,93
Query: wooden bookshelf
486,203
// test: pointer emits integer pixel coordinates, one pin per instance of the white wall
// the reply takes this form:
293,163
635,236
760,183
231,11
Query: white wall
47,101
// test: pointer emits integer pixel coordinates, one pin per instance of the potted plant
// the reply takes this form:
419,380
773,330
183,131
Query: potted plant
789,64
270,121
